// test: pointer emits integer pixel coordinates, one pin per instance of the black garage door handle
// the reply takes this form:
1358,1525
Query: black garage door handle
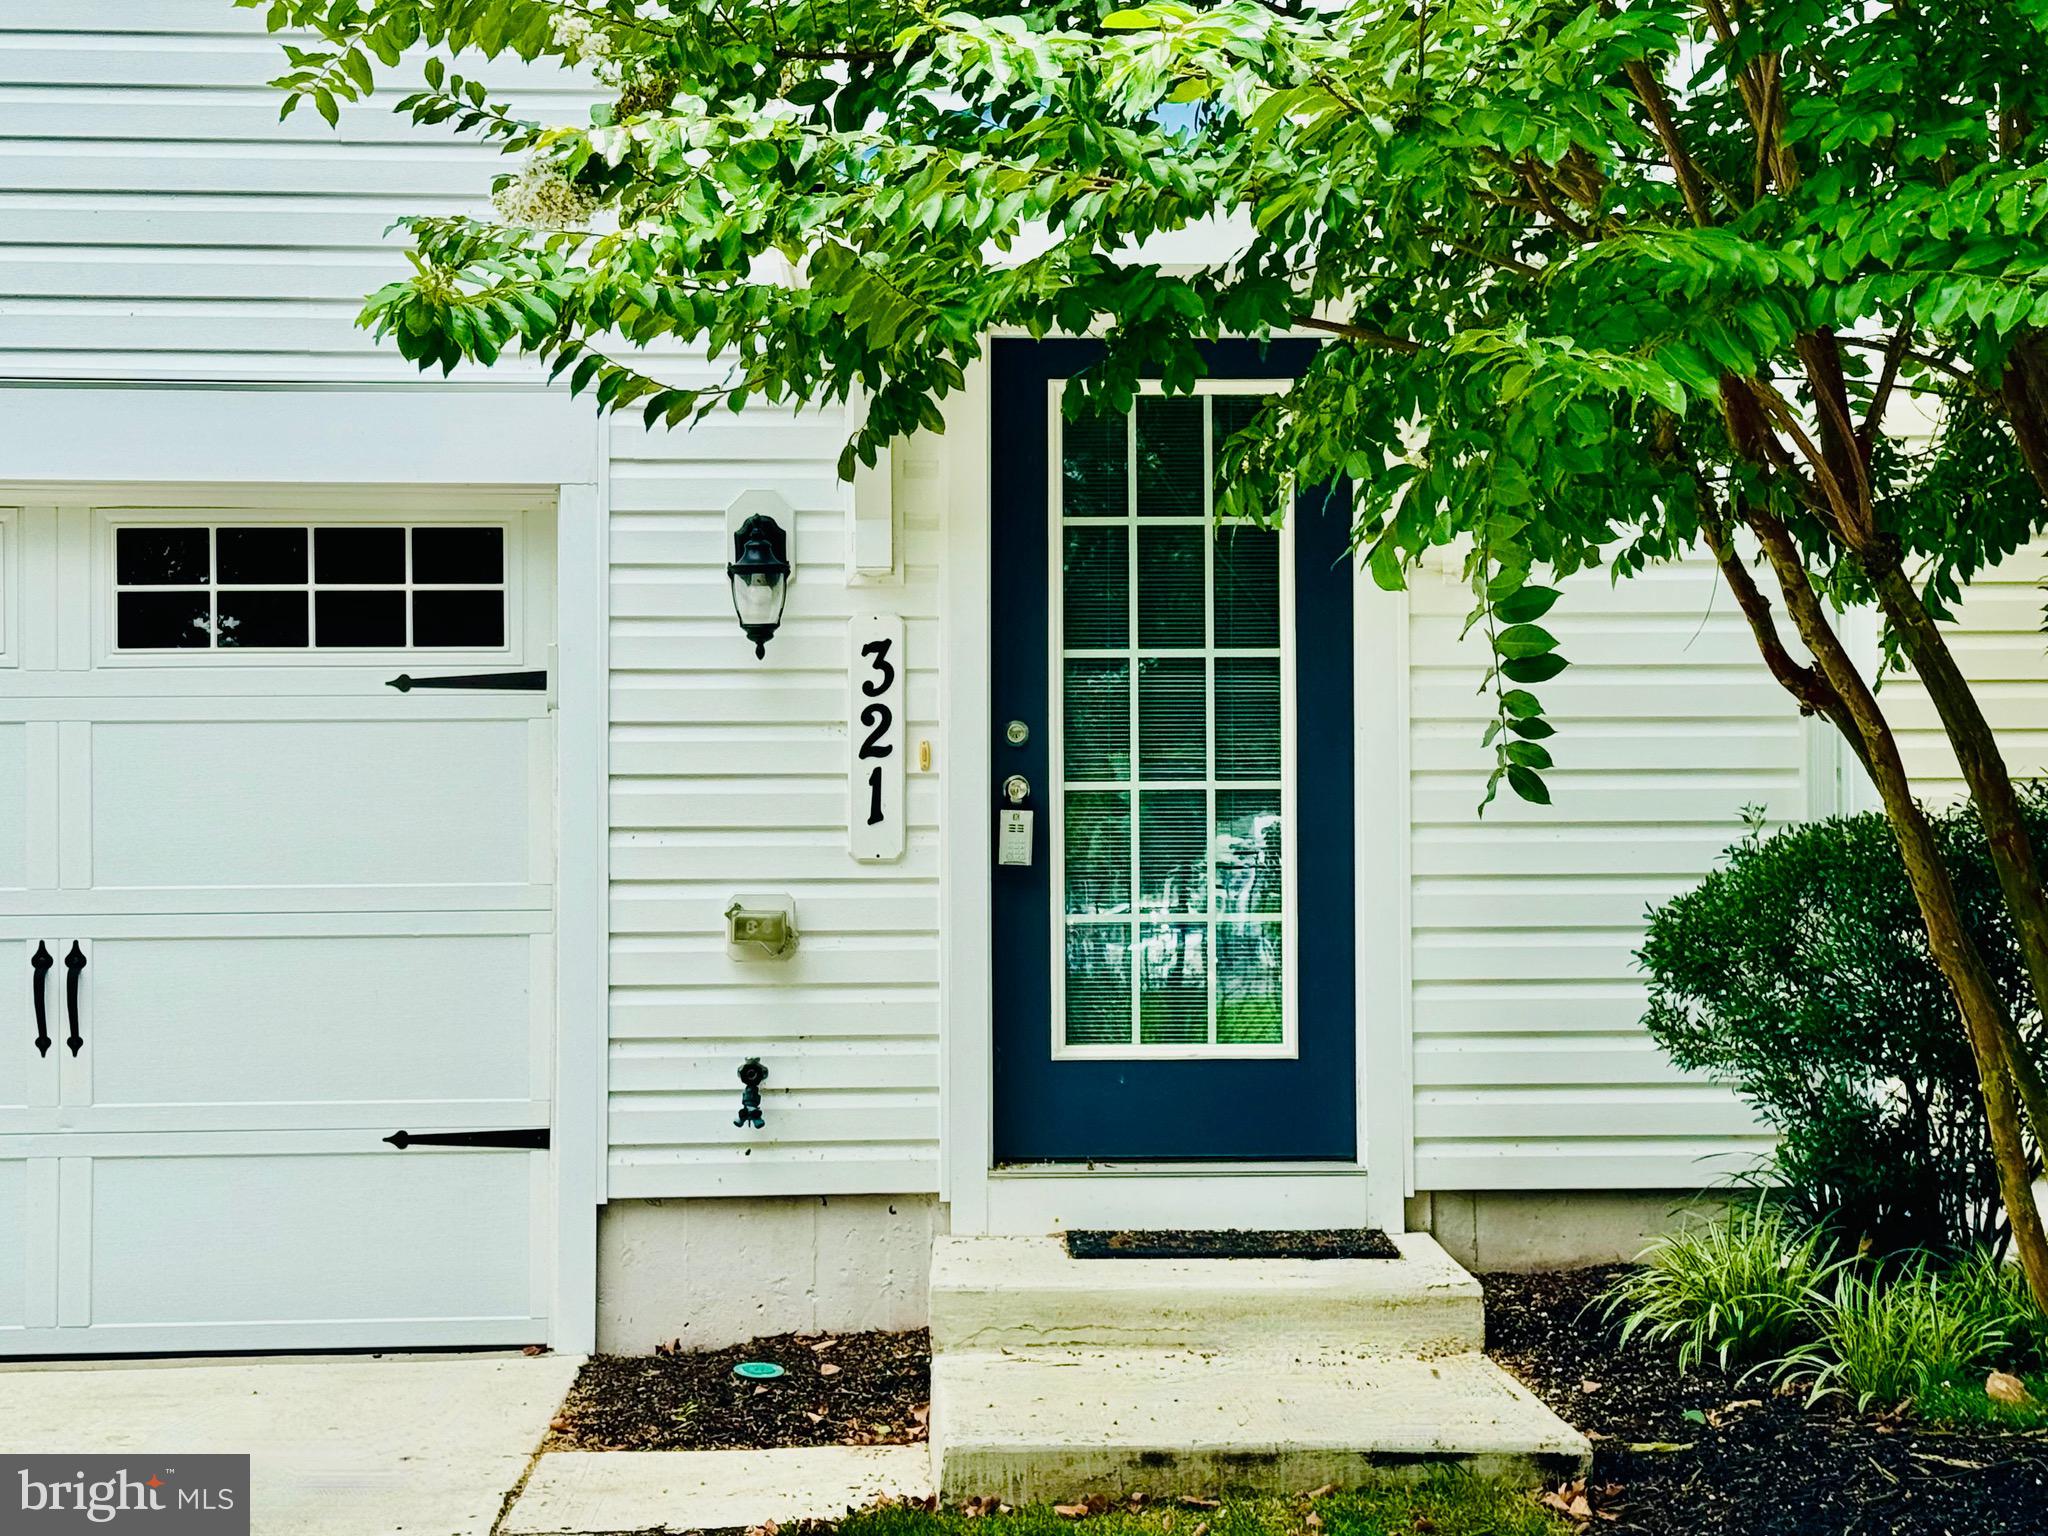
39,965
74,963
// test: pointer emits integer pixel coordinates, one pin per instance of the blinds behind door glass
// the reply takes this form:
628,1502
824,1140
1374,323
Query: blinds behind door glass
1173,854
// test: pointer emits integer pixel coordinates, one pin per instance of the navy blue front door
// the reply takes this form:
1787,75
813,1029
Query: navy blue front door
1173,966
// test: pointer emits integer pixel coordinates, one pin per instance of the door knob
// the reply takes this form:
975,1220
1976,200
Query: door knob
1016,789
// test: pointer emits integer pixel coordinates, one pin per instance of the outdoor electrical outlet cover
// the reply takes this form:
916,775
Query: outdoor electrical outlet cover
760,927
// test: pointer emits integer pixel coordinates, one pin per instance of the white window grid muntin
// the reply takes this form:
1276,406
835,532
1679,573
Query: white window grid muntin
510,586
1137,919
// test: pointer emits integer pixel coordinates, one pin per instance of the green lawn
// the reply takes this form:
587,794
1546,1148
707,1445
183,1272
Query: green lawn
1961,1400
1444,1505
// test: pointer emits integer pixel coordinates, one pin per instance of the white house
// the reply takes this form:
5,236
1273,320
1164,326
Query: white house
1252,959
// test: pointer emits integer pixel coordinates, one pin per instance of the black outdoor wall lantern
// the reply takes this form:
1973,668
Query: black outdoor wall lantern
760,577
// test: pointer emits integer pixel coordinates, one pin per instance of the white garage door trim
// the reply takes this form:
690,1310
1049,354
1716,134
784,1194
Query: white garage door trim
468,444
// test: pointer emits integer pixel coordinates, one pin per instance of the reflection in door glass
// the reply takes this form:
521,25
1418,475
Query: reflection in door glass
1173,743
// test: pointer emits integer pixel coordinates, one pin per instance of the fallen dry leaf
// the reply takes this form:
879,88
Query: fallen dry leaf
1661,1447
1313,1521
534,1349
1070,1511
828,1369
1192,1502
1589,1386
1321,1493
1201,1529
2004,1387
824,1344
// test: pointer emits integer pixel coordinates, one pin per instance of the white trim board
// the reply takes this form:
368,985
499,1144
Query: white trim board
410,436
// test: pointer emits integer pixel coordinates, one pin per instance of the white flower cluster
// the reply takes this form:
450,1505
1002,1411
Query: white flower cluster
541,197
578,37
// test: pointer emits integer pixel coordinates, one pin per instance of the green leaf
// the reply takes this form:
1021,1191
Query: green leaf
1527,604
323,102
1533,669
1524,640
1529,784
1129,20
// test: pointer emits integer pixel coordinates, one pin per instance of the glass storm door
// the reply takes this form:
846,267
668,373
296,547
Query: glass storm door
1172,706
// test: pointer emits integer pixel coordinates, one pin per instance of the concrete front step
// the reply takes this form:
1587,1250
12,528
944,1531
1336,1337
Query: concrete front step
1053,1424
1026,1293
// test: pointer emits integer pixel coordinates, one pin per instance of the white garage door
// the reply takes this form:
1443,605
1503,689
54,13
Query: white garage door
276,912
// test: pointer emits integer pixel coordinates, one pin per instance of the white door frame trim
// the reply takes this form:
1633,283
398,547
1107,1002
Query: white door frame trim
240,439
1034,1200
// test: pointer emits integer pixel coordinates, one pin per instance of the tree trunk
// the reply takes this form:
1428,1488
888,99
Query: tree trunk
1998,808
1962,966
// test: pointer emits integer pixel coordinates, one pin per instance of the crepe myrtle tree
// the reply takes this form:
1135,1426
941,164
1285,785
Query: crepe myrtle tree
1602,283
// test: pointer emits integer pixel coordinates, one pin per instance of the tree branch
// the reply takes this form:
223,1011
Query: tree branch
1362,333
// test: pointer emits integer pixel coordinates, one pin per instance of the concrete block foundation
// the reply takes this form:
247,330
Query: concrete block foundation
1566,1229
719,1271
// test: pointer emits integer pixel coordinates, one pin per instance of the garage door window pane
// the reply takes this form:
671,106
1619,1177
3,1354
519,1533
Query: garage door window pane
443,556
262,557
262,620
360,620
163,557
355,557
164,621
458,618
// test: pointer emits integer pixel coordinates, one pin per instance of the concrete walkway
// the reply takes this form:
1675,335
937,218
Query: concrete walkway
414,1446
582,1493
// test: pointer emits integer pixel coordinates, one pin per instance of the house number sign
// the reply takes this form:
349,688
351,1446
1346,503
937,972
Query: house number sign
875,695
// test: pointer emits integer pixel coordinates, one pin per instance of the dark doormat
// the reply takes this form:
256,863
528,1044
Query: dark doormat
1329,1243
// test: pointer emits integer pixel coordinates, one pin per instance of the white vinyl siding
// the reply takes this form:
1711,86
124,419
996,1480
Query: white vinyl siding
729,777
1998,640
1531,1066
157,220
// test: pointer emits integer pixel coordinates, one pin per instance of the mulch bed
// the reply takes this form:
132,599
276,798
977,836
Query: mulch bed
1340,1243
1761,1464
836,1389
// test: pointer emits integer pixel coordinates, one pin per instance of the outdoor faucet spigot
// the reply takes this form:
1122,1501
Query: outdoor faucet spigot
752,1076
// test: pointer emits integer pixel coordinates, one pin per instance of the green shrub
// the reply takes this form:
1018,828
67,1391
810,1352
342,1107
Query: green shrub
1799,971
1738,1287
1883,1340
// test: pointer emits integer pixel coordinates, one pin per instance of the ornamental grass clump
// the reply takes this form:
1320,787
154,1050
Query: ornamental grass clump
1987,1287
1738,1288
1886,1341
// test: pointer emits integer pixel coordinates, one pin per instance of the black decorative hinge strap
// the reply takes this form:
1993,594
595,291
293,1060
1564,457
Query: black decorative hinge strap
512,682
535,1140
39,965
